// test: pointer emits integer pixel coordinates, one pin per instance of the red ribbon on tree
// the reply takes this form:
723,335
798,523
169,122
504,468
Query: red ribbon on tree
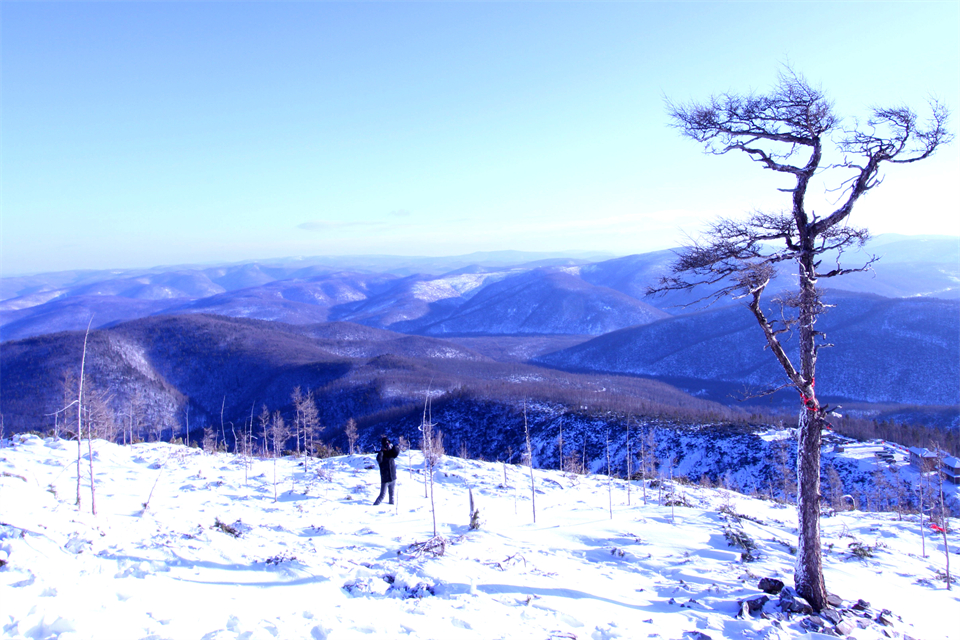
810,403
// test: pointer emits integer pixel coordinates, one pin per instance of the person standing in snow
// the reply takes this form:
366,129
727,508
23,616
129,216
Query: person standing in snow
387,461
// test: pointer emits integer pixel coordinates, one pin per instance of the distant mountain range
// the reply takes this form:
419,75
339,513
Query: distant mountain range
505,293
897,328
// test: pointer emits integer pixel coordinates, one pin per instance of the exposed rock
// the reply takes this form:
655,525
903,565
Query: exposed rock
844,628
770,585
834,600
831,615
816,622
885,618
756,603
791,602
751,605
861,605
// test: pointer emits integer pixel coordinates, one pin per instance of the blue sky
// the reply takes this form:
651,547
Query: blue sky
137,134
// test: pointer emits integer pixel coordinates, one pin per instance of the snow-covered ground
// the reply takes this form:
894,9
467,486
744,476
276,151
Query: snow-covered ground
322,562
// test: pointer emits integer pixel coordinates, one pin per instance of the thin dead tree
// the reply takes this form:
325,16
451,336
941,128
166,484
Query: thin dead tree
223,432
433,451
312,428
278,436
297,398
529,461
944,524
245,451
186,424
609,477
560,444
350,430
83,362
786,131
921,488
629,462
426,445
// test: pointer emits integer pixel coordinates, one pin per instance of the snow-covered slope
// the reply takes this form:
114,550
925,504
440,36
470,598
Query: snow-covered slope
208,546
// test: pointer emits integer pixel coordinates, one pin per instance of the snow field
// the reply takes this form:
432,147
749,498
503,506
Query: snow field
322,563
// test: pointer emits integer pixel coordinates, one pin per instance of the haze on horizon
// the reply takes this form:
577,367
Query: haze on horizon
145,134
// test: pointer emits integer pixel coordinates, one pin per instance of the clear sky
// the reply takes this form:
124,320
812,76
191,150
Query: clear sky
137,134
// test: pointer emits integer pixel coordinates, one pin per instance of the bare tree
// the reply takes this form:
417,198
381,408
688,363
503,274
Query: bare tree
609,476
528,458
310,417
786,469
83,361
264,422
560,444
922,490
943,525
186,422
432,448
786,131
350,430
279,433
629,462
297,398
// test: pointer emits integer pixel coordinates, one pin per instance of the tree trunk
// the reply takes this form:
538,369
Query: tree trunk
808,573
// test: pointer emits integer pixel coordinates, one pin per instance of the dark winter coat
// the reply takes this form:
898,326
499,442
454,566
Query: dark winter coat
387,460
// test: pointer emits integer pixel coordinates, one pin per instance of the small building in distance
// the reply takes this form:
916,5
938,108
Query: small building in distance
923,459
951,469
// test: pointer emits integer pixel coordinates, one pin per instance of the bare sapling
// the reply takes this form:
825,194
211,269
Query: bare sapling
560,445
898,493
350,430
223,433
629,463
146,505
920,487
264,421
83,361
673,498
93,484
609,477
529,461
311,426
944,524
247,446
278,435
583,457
474,512
643,468
433,451
404,446
297,398
426,428
186,424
